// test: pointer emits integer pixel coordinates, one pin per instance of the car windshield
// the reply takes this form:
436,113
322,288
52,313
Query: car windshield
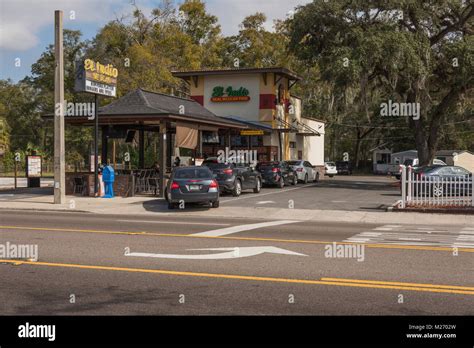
331,164
426,169
294,163
215,165
193,173
267,164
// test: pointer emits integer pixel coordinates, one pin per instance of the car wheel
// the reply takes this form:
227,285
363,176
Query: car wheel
437,190
331,176
305,178
215,204
258,186
316,179
281,183
237,188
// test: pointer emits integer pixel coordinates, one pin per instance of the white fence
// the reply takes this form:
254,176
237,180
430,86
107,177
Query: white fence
427,191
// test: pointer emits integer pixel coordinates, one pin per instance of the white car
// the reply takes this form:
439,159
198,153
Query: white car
305,171
331,169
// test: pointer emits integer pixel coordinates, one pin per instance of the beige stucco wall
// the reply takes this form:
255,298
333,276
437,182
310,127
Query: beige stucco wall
465,160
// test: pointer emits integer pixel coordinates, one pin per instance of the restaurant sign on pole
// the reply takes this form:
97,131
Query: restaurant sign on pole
98,79
95,77
251,132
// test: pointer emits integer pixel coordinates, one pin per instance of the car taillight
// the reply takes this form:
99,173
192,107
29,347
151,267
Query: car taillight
299,169
213,184
275,170
174,185
227,171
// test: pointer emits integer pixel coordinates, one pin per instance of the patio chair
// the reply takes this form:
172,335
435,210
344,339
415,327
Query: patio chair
79,185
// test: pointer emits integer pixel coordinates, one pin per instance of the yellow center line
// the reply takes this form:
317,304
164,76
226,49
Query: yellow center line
451,290
277,240
398,283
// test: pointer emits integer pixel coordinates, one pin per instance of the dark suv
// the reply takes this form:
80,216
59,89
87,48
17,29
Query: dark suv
277,173
234,177
344,167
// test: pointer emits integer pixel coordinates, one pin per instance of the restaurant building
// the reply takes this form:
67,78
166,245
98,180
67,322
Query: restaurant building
261,99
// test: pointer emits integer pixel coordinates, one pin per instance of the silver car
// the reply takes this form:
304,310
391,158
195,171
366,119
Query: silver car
305,171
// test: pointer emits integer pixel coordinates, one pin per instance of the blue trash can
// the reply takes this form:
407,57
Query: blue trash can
108,176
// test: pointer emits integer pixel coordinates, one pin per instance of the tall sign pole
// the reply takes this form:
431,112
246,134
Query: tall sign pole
59,160
96,145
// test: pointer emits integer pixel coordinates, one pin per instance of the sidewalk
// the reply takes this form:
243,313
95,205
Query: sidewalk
152,206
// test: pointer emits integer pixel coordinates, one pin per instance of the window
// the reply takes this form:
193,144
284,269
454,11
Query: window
292,144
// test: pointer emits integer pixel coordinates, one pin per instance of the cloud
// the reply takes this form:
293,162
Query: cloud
21,20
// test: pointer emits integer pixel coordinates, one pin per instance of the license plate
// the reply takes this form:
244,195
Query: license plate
193,187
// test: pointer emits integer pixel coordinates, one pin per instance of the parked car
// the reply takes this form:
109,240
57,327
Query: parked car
305,171
444,180
331,168
192,185
344,167
277,173
414,163
234,178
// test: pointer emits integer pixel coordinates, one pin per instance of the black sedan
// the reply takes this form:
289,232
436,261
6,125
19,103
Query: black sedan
236,177
437,181
192,185
277,173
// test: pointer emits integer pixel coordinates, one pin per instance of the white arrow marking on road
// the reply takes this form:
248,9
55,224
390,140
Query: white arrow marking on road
230,253
240,228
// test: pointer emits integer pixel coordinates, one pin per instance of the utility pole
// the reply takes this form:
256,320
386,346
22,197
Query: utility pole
59,159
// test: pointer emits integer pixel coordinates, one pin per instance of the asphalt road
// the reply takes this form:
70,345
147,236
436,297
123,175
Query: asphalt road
366,193
149,266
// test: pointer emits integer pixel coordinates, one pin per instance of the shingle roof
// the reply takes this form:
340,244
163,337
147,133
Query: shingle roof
142,102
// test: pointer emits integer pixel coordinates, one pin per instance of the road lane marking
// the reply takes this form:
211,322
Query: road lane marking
268,193
450,290
229,253
422,285
420,236
241,228
276,240
176,222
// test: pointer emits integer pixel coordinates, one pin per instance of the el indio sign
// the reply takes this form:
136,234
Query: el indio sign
222,95
94,77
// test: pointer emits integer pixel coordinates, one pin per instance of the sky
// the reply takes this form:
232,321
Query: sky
27,26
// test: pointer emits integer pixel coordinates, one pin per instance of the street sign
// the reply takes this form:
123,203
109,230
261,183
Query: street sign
228,253
251,132
96,78
33,166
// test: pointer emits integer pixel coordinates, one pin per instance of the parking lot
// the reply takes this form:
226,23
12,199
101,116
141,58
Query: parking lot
366,193
348,193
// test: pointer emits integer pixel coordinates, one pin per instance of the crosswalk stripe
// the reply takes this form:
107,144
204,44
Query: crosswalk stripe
397,234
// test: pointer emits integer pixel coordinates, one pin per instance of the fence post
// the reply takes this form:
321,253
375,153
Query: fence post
472,190
404,183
